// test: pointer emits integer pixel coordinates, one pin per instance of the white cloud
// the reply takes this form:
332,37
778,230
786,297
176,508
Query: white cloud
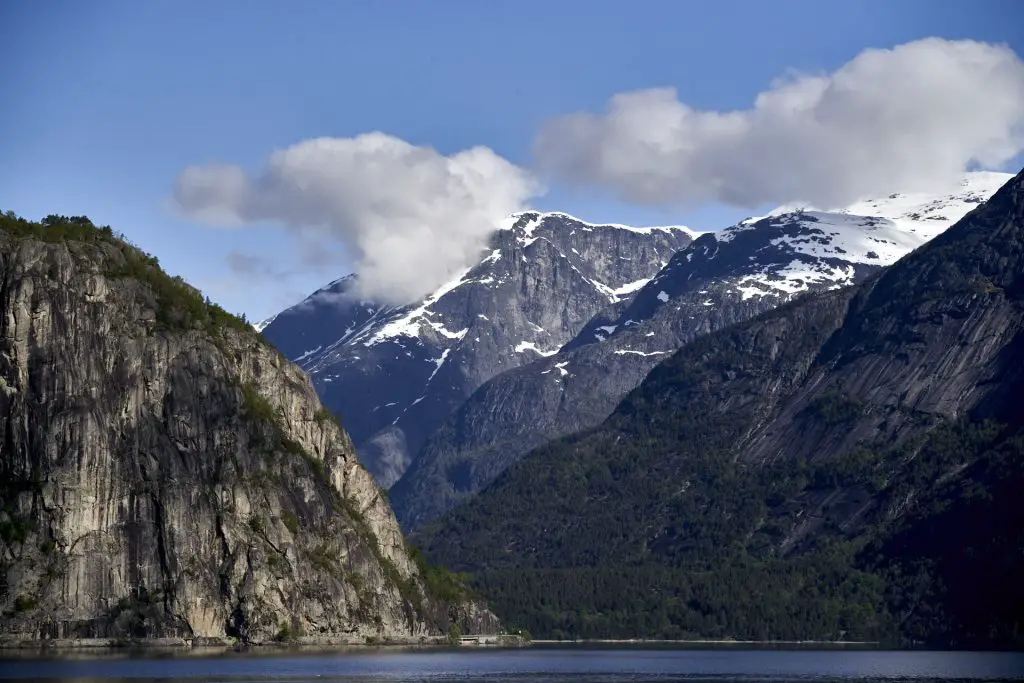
410,216
906,119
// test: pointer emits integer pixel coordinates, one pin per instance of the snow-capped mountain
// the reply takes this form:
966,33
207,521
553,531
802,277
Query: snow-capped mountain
326,317
795,250
924,214
721,278
393,374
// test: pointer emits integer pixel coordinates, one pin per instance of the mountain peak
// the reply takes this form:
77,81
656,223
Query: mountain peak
530,220
925,214
396,372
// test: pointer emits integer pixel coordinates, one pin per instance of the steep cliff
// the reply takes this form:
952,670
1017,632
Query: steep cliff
810,458
165,473
721,278
395,374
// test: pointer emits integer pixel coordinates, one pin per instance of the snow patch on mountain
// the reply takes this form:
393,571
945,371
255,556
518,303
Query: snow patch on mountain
630,287
539,217
790,251
927,214
922,213
826,245
530,346
855,239
409,323
528,228
261,325
624,352
305,355
438,363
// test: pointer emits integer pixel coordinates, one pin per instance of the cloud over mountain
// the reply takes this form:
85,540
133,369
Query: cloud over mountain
409,216
912,117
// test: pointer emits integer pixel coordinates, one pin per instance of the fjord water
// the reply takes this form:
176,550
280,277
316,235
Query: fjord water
537,666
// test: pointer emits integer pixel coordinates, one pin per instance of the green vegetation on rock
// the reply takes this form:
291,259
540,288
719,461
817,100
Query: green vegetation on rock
224,452
696,577
178,304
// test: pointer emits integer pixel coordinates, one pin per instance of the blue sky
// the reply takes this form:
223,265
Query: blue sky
107,101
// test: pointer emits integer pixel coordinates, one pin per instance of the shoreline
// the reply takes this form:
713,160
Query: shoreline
88,647
14,647
97,648
701,641
199,646
430,642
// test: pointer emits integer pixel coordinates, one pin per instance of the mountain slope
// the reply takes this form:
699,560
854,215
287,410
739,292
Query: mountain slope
165,473
788,456
720,279
394,374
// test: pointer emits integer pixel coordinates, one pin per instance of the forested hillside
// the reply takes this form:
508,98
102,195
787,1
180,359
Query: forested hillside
841,467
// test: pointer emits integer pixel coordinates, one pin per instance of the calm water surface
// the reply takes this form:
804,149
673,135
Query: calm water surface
536,666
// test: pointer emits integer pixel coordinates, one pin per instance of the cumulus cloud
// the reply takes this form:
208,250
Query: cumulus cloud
906,119
409,216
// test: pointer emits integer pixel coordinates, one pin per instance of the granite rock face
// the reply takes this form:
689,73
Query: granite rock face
395,374
166,478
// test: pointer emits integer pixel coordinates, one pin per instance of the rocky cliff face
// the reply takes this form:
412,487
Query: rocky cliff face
394,374
165,473
720,279
833,419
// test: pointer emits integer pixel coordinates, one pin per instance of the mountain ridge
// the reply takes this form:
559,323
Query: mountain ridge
721,278
394,373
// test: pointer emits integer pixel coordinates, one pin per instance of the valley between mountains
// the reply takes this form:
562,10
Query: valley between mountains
805,426
799,427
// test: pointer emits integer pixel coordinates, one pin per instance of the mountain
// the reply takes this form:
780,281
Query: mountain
846,466
395,373
261,325
721,278
165,473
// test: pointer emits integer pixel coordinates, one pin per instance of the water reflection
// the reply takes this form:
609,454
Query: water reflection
528,666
